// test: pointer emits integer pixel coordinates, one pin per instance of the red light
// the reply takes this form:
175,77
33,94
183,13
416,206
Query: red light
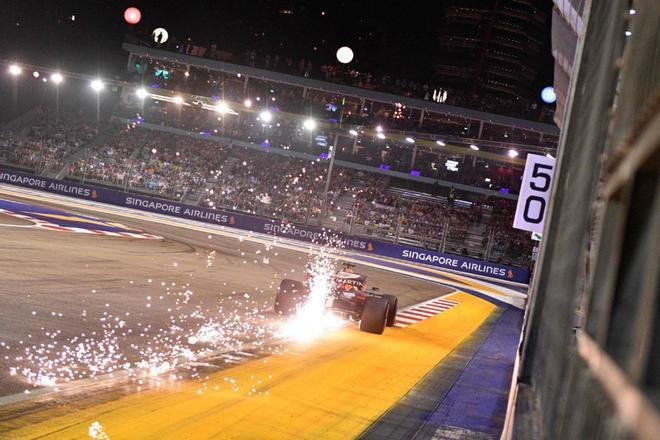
132,15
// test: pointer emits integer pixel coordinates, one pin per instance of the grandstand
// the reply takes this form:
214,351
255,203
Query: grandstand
403,170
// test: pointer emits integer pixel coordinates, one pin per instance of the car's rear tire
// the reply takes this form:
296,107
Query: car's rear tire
374,315
393,306
289,296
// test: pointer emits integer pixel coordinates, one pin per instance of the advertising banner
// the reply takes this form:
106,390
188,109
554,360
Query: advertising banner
267,226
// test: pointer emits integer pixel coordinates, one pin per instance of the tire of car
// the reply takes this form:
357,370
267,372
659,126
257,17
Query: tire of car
393,306
290,294
374,315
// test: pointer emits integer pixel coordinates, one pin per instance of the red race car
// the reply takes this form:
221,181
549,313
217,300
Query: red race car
348,296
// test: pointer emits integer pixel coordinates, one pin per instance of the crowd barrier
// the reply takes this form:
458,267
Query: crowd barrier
267,226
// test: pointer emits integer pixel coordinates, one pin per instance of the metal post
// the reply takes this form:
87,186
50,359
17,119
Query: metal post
98,110
356,211
329,175
57,103
421,118
245,85
481,128
304,93
414,156
309,209
355,148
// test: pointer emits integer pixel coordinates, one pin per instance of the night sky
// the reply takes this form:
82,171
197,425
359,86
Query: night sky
386,36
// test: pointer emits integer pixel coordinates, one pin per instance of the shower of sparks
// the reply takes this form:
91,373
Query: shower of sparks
96,432
124,344
312,319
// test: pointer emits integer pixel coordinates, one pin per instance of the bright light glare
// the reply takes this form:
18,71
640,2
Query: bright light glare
15,70
548,95
266,116
474,147
141,93
512,153
177,100
35,74
312,320
247,103
439,142
309,124
353,132
410,140
222,108
379,129
97,85
56,77
344,55
380,136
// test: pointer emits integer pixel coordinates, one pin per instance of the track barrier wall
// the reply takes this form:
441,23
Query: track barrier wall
267,226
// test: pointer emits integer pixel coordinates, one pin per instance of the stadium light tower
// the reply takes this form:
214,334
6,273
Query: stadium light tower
97,85
14,71
57,78
266,116
309,124
141,93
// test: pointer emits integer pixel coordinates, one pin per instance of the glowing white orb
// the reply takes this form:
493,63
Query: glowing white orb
548,95
132,15
160,35
15,70
345,55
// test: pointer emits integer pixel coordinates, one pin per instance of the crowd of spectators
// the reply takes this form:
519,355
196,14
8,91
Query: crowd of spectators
287,132
273,185
43,139
256,180
163,163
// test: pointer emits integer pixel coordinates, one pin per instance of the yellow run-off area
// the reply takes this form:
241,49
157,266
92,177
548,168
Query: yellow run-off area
332,388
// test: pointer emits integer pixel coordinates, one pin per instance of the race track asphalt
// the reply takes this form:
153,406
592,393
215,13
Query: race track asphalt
57,286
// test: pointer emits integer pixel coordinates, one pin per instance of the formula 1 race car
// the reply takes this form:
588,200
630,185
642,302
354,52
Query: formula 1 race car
348,296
